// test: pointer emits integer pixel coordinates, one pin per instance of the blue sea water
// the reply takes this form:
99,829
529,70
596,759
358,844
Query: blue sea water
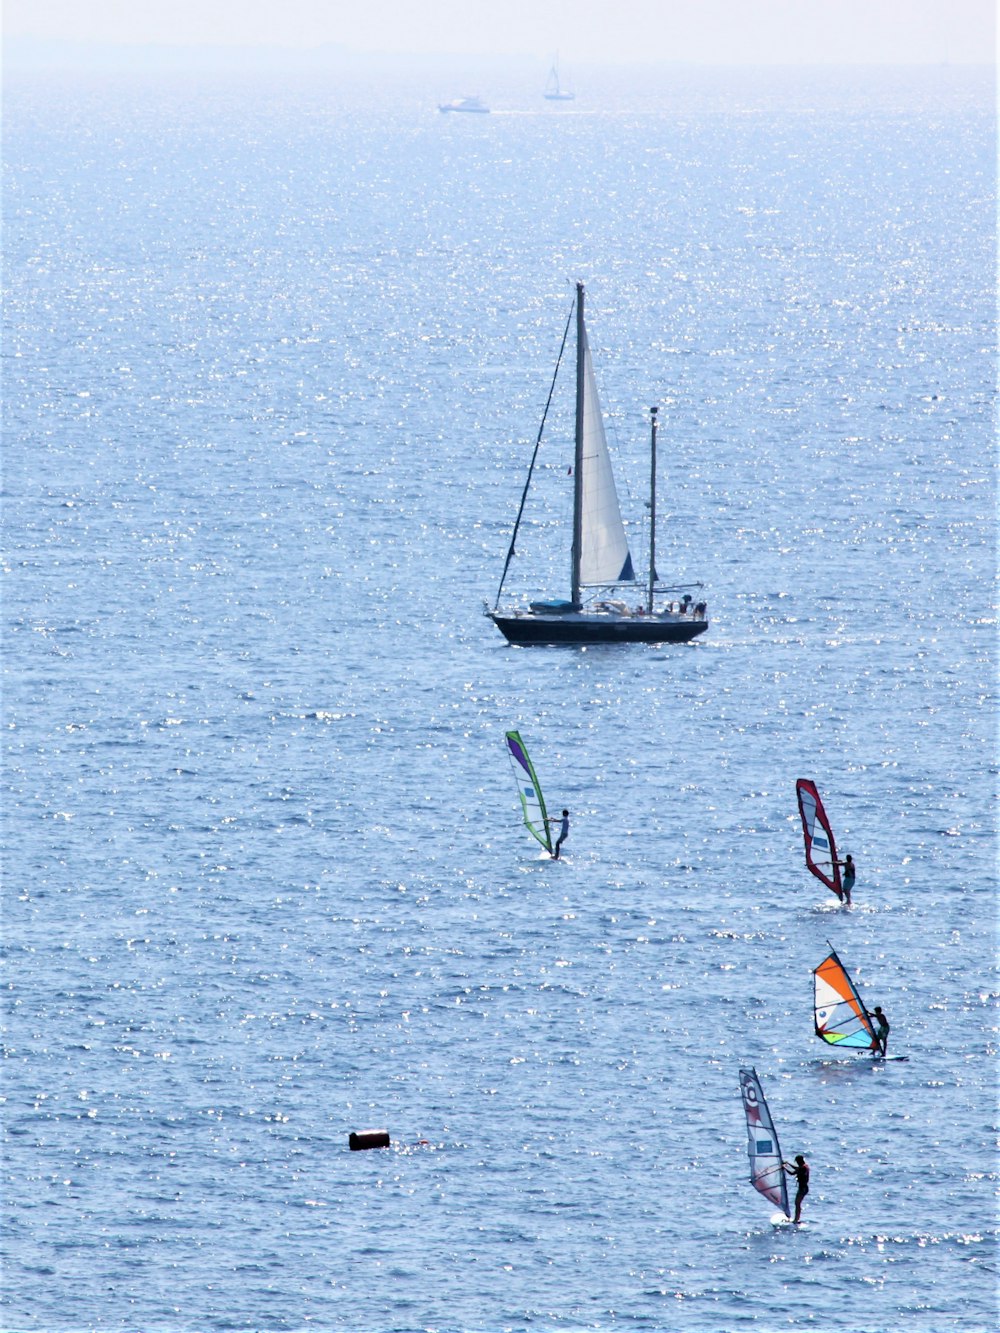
274,359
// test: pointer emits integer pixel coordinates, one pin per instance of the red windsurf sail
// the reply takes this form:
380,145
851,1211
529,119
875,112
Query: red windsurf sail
821,850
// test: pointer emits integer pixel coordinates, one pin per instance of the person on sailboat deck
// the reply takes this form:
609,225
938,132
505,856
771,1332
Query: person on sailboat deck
563,823
881,1042
800,1170
848,867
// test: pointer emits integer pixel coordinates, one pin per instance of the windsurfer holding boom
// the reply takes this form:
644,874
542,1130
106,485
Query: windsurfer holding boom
847,884
563,823
881,1043
800,1171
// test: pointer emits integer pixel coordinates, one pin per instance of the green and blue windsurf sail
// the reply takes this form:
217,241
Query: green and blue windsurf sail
839,1013
532,800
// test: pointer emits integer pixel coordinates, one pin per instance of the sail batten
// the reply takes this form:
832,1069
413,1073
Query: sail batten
817,832
767,1173
529,790
839,1013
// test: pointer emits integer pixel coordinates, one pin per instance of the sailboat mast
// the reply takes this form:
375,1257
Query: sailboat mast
581,357
652,509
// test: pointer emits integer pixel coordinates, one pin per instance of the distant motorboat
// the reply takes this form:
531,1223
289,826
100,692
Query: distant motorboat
474,104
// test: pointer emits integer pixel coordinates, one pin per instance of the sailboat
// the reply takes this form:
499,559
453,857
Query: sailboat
767,1172
554,91
601,562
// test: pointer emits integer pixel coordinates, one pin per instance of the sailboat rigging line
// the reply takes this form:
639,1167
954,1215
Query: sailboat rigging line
534,456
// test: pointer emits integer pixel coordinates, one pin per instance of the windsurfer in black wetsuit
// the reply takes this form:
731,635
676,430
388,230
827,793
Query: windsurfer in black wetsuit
563,832
881,1043
847,884
800,1170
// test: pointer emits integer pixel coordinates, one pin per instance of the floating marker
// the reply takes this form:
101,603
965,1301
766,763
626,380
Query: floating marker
369,1138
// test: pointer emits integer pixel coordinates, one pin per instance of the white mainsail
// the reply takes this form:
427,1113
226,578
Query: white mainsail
604,554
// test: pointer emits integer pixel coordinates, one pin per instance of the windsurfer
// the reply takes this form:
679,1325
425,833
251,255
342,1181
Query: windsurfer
800,1171
847,884
563,823
881,1042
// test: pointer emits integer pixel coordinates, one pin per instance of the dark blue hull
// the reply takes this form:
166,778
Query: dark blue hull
596,628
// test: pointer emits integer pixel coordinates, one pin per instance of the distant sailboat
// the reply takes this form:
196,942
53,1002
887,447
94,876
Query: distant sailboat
554,91
600,556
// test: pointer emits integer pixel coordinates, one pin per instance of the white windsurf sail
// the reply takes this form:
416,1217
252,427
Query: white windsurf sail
532,800
821,850
839,1013
767,1174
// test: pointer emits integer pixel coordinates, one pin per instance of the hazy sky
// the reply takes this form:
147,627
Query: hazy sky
614,31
